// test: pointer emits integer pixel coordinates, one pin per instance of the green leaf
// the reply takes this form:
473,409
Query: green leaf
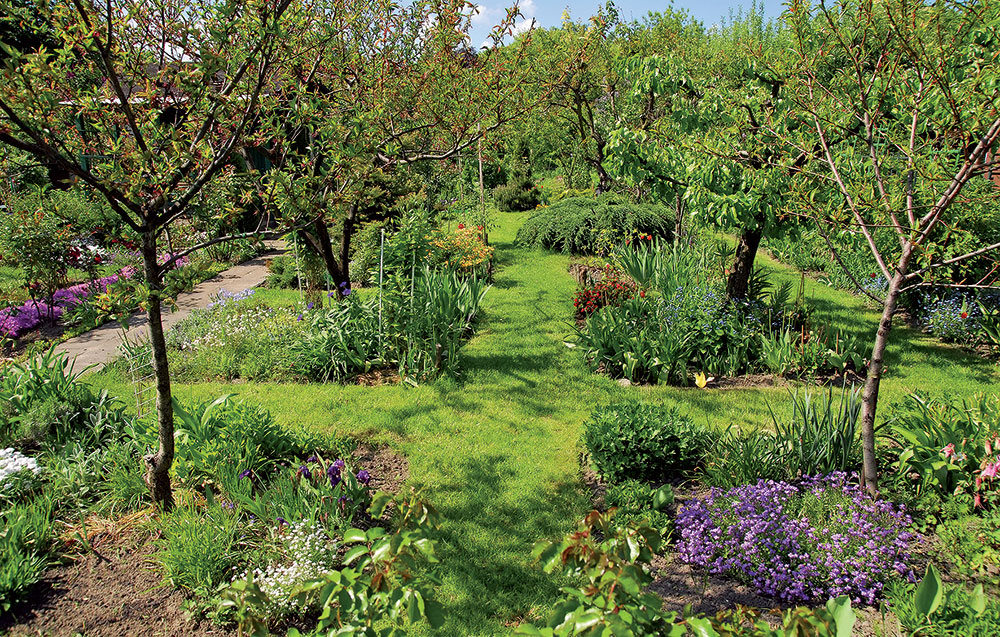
843,615
978,601
353,536
663,497
355,553
929,593
702,627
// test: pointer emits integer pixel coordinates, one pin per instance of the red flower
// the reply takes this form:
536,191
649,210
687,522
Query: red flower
965,315
97,258
642,294
461,226
873,275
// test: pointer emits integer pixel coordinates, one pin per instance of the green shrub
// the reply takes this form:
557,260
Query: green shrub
638,502
740,458
932,609
518,195
282,273
951,446
639,441
579,225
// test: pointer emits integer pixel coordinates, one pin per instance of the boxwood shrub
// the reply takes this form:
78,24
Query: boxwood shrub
632,440
585,225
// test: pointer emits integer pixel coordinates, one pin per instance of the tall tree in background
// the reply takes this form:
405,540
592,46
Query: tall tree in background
383,86
902,102
184,85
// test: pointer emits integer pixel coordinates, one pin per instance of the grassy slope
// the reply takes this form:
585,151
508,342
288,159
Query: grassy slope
497,450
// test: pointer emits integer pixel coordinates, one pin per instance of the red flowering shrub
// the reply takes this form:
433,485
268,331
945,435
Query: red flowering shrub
613,289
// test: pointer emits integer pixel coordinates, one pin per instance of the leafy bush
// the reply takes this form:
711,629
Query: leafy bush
805,541
34,238
639,441
341,342
593,226
519,194
211,434
952,449
636,501
282,273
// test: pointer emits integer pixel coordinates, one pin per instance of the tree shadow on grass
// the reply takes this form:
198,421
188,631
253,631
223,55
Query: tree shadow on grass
495,571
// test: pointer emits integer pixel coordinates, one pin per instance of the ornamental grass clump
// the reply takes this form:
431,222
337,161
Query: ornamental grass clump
810,540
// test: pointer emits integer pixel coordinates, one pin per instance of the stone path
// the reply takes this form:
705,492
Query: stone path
99,346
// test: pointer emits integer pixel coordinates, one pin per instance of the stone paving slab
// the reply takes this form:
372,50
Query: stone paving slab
96,348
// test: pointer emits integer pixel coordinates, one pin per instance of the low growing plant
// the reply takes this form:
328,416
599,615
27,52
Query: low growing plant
817,538
632,440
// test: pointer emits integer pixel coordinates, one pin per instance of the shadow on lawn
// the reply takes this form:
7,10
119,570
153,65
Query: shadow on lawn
494,570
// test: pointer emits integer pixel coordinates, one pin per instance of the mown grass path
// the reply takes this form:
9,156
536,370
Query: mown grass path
497,449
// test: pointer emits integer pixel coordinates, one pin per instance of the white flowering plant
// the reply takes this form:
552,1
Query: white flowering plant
19,474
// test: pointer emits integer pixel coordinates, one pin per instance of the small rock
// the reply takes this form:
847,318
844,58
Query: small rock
624,382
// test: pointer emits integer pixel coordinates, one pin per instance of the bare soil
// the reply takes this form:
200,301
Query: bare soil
117,591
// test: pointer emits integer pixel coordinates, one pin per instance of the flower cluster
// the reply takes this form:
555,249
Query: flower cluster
12,462
309,555
807,541
224,297
463,249
613,289
16,320
951,318
18,473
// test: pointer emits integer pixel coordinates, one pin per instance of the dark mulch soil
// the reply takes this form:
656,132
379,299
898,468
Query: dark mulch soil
46,332
389,469
117,591
378,377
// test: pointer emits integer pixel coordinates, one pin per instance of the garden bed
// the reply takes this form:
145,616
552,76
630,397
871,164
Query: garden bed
114,590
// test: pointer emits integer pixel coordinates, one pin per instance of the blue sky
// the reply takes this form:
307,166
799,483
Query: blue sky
549,13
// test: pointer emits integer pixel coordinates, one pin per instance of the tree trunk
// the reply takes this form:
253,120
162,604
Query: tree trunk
319,240
678,218
746,253
345,244
158,464
869,397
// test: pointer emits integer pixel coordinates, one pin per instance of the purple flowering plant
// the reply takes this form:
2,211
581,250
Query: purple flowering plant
338,491
810,540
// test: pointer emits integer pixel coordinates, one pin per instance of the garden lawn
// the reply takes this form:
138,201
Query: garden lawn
497,450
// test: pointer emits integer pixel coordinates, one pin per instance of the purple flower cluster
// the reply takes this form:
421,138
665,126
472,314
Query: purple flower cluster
818,538
16,320
223,297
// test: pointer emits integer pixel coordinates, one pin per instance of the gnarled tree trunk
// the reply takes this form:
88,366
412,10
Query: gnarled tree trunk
158,464
746,253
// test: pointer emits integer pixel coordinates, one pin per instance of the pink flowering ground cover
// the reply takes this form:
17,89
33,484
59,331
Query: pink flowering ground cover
17,320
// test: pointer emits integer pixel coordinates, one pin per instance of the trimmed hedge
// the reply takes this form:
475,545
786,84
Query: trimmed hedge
583,225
